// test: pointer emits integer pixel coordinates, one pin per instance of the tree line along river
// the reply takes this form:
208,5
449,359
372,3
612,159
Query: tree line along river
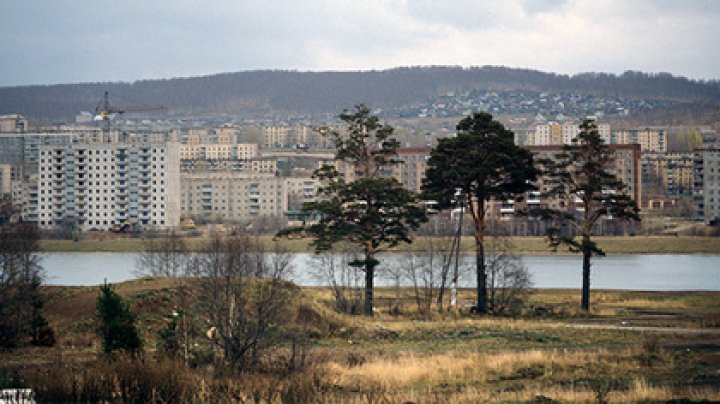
653,272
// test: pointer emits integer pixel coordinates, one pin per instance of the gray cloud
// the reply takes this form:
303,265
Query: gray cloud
73,41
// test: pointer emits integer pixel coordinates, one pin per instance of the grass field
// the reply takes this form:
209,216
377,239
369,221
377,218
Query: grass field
632,346
536,245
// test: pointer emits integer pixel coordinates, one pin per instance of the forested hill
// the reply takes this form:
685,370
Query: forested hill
278,92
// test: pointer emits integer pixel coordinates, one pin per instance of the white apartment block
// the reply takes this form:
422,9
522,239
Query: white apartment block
569,132
542,135
256,165
218,151
229,195
96,185
706,193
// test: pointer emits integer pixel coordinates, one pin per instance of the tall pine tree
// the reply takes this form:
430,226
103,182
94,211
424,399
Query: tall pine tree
370,208
483,164
581,181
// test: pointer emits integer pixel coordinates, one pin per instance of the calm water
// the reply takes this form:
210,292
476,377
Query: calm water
634,272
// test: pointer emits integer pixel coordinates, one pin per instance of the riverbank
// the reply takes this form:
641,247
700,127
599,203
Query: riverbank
529,245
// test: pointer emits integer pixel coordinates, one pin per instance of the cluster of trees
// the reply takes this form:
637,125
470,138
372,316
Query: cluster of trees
479,165
21,303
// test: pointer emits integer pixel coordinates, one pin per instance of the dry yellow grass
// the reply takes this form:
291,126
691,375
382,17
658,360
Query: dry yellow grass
411,370
533,245
476,377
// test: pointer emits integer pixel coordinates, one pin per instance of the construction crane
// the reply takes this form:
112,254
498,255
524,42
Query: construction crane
104,112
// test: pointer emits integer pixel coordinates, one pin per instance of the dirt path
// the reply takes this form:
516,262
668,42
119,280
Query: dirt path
661,330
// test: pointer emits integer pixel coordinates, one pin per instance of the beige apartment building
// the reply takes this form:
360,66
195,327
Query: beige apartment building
667,174
558,134
649,139
232,195
409,172
289,136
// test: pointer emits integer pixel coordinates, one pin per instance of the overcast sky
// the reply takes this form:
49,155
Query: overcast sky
47,42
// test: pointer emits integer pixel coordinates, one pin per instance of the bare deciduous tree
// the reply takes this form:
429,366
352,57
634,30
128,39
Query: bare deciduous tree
509,281
344,280
168,256
245,297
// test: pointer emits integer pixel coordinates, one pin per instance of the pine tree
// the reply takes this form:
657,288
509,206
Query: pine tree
581,180
116,322
373,210
481,164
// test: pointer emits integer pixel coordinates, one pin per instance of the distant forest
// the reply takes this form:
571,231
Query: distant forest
269,92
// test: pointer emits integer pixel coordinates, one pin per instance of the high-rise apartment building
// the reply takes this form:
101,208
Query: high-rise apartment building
649,139
667,174
706,194
97,185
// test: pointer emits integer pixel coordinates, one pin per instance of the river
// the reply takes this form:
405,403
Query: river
630,272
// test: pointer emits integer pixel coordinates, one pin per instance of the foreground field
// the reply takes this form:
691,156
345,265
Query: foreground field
633,346
535,245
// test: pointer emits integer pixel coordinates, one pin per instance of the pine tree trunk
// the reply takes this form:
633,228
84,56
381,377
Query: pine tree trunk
481,276
586,278
369,275
369,278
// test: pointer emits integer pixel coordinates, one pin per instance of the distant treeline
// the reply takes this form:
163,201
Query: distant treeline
271,92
